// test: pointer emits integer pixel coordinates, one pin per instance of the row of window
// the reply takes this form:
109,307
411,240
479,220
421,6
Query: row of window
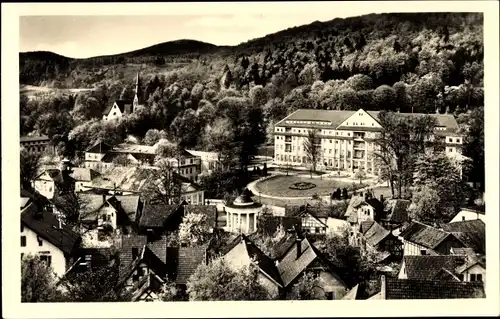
23,239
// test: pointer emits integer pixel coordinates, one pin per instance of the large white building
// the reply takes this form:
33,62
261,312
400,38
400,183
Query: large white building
346,138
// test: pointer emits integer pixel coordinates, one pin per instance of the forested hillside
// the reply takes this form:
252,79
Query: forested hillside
200,94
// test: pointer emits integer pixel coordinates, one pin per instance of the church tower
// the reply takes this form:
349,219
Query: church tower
138,93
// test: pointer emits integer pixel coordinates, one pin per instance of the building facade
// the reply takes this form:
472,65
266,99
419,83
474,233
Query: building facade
36,145
346,138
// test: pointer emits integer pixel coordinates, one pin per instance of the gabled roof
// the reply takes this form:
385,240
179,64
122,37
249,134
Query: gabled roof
396,210
99,147
470,232
91,203
147,256
46,225
124,106
333,118
265,263
429,289
156,215
427,267
424,235
316,212
187,260
376,234
290,267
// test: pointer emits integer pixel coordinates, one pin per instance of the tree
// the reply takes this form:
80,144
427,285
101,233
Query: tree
94,285
401,140
219,137
163,186
217,281
30,163
384,97
360,174
152,137
37,280
440,190
194,229
472,127
168,291
307,288
312,148
359,82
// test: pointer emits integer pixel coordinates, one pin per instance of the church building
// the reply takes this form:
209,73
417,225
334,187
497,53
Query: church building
121,107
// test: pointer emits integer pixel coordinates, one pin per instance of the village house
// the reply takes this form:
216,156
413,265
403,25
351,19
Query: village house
421,239
362,207
347,138
470,213
243,253
45,182
103,157
464,268
113,211
89,259
314,219
146,265
278,275
120,107
303,257
43,234
395,288
470,232
395,214
159,218
371,234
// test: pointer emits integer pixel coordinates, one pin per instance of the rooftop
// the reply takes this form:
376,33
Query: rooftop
429,289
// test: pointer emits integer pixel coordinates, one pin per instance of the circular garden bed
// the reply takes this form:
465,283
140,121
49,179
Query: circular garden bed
302,185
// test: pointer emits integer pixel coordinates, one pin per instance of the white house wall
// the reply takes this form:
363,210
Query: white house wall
32,247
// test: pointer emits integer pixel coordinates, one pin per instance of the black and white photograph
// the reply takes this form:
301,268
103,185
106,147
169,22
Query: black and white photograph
252,152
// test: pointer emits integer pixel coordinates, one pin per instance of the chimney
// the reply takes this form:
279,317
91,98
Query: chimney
382,198
298,242
382,287
103,198
366,196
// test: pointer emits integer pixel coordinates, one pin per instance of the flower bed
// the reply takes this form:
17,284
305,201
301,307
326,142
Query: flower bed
302,185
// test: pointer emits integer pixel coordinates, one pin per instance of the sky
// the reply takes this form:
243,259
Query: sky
81,36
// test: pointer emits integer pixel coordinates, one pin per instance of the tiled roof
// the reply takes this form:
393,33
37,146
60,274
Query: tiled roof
127,243
427,267
91,203
156,215
462,251
290,266
147,256
335,118
470,232
424,235
427,289
265,263
315,211
159,248
99,147
207,210
188,259
365,225
46,225
397,210
375,234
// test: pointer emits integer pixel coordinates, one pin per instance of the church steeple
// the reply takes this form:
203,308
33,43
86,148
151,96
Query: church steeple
138,93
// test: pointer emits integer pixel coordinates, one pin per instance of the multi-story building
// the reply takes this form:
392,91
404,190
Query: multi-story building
36,145
346,138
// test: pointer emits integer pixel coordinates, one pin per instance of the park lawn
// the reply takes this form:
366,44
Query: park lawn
279,186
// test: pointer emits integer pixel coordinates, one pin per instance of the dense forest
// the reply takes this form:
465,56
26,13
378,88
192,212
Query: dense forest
199,95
